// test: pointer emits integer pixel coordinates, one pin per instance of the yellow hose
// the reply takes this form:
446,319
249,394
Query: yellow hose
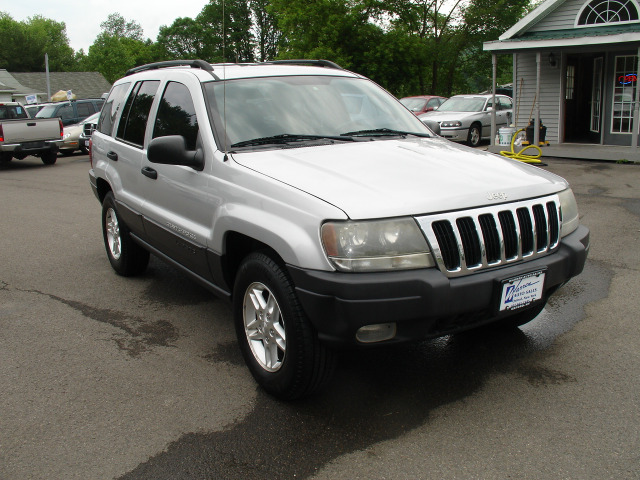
521,156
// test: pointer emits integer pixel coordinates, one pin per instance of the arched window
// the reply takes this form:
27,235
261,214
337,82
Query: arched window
600,12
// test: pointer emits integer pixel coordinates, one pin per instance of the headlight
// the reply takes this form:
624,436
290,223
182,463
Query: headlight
451,124
367,246
568,212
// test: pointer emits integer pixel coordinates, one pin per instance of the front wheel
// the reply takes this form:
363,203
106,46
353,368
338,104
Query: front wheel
126,257
475,135
278,343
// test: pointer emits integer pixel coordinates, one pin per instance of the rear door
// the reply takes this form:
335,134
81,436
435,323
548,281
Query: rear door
125,152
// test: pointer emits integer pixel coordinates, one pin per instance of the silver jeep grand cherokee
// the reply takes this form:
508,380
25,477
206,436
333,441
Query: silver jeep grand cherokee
326,212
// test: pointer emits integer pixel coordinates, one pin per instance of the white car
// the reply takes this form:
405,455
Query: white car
349,227
467,118
72,133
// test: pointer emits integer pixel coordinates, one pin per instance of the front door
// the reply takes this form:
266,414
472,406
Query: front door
578,99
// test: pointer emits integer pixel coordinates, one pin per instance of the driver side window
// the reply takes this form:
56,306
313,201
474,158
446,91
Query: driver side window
177,115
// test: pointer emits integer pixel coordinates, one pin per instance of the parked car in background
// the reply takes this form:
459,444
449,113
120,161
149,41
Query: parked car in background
420,104
71,112
21,136
467,118
88,126
72,133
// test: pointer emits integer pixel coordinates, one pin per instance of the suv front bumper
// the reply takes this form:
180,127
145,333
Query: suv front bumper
424,303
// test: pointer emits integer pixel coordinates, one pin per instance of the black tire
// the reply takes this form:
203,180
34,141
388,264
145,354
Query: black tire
49,157
126,257
284,355
475,135
84,150
6,157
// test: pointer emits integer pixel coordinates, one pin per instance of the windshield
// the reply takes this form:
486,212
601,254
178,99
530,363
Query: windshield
462,104
314,106
414,104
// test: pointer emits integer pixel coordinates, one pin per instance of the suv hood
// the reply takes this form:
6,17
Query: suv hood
389,178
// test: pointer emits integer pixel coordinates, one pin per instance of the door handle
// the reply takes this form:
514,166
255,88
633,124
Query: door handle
112,156
150,172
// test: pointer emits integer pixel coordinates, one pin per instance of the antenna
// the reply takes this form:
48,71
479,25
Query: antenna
224,86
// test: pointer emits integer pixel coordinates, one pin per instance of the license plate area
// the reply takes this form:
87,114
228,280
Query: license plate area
521,291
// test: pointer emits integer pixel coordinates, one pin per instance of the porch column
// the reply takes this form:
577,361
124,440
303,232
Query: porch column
536,124
494,62
636,108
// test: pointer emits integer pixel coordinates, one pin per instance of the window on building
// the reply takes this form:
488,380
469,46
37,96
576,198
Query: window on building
624,93
571,80
598,12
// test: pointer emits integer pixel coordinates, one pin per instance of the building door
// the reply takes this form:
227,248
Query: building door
596,101
578,99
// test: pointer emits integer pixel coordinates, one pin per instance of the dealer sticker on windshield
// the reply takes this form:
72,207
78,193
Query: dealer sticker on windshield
521,291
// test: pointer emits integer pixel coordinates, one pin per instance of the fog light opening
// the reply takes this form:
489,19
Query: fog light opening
376,333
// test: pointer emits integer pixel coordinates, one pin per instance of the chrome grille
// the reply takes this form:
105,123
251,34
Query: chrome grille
467,241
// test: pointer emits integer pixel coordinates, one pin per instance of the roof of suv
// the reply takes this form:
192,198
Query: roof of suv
206,71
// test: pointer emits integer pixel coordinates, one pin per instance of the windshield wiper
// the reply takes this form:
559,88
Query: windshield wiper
287,138
381,132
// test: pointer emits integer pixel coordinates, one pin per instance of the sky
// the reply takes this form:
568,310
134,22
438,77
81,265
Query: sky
83,17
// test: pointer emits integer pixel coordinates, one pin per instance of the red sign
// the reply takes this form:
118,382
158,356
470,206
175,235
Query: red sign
628,78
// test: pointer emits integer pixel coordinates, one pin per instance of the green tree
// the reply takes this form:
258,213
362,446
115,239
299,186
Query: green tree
119,47
226,31
182,39
26,43
267,34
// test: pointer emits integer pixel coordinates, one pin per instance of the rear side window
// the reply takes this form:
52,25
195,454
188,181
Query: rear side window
133,123
85,109
112,107
65,112
177,115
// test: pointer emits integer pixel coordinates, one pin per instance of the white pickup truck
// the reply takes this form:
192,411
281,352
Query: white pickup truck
324,210
21,136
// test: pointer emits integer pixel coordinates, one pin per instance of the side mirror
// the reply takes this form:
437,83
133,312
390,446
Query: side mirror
172,150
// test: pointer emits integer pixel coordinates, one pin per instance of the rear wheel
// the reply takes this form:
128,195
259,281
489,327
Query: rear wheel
6,157
279,345
126,257
49,157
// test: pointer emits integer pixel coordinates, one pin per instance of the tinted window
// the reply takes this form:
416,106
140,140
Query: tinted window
85,109
136,112
177,115
65,112
112,107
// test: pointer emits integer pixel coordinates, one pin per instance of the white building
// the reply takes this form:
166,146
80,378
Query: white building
575,67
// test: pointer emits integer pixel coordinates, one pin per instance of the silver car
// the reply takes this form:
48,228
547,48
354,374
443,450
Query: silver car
467,118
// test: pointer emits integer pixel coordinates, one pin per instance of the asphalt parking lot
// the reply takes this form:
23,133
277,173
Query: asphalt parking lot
104,377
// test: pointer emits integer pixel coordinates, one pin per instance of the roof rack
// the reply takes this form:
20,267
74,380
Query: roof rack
316,63
173,63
